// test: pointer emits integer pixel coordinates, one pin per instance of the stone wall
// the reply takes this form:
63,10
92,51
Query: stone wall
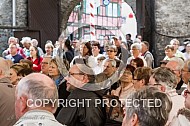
6,19
131,3
5,13
172,20
21,13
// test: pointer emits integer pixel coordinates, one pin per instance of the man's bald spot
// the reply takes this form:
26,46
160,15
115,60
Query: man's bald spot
82,68
75,68
40,77
171,64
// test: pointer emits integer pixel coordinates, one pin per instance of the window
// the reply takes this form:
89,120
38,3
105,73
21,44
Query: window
109,10
113,9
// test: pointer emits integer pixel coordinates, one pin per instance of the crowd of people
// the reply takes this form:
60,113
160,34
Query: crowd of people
92,83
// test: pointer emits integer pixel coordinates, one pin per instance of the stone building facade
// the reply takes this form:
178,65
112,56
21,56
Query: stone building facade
172,20
6,19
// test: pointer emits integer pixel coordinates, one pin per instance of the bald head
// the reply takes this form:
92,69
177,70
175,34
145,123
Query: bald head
37,86
38,77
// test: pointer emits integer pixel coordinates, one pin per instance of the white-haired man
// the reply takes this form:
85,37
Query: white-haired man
147,107
147,54
13,40
26,42
165,80
36,101
176,64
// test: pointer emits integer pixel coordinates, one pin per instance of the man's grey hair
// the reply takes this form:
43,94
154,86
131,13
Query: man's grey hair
12,38
39,89
147,114
179,61
137,40
166,77
88,71
174,40
34,42
26,40
112,61
136,45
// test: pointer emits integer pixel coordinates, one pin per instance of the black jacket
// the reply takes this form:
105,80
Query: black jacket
63,94
86,113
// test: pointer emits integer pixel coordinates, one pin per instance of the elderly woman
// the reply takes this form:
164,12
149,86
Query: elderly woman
169,52
111,52
126,83
136,52
56,74
49,49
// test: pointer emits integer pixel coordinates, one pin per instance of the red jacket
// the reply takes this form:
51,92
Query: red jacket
36,68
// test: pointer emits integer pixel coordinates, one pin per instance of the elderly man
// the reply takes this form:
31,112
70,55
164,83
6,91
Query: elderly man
13,40
45,65
176,64
7,99
147,107
117,43
36,100
81,109
112,73
165,80
13,56
147,54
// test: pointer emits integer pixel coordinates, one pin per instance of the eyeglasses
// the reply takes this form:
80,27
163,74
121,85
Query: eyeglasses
157,85
186,92
136,79
110,51
134,49
44,62
69,74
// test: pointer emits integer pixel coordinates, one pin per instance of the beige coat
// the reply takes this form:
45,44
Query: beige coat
7,103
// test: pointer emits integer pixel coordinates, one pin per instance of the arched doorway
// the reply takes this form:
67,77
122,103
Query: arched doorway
117,18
